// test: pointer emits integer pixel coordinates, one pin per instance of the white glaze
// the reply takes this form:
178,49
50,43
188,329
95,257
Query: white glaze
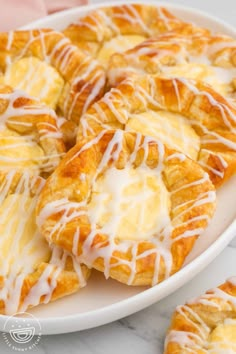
181,50
160,239
122,113
60,56
201,339
39,133
14,268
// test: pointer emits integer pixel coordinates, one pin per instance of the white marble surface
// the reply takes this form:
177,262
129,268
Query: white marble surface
143,333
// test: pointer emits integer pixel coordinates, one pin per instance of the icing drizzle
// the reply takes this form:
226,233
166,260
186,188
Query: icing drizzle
30,270
212,54
116,108
115,21
82,85
198,337
110,249
27,131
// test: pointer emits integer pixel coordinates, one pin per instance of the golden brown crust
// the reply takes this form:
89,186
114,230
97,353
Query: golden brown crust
101,25
181,46
26,116
67,283
83,76
63,216
51,279
193,322
211,115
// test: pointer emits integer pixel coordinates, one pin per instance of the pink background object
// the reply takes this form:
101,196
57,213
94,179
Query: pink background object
16,13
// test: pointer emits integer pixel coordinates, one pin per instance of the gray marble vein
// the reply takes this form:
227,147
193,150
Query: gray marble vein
233,243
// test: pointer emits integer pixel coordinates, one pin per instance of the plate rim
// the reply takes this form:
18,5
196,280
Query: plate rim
126,307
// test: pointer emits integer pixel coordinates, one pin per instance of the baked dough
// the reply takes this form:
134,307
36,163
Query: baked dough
205,57
127,206
186,115
45,64
206,324
117,28
31,272
29,136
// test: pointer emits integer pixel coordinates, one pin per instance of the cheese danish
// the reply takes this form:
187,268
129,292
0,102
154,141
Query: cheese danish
206,324
126,205
187,115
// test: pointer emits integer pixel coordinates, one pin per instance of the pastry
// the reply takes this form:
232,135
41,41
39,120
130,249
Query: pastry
115,29
206,324
187,115
31,272
126,205
29,136
45,64
31,146
208,58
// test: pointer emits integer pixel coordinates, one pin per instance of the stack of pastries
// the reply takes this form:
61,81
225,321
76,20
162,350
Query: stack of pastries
114,136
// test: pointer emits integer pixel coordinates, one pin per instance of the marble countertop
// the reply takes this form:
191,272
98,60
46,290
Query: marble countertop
143,332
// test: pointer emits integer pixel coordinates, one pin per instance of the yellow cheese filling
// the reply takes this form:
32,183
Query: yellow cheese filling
130,204
19,151
171,128
35,77
117,45
22,247
220,79
223,338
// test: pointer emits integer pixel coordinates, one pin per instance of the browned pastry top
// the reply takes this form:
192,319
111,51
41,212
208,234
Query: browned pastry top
187,115
206,324
126,205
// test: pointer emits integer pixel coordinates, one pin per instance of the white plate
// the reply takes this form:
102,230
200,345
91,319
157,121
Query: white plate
104,301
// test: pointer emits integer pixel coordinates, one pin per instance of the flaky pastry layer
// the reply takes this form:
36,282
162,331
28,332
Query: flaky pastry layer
181,52
31,272
29,135
206,324
65,217
211,116
116,28
83,78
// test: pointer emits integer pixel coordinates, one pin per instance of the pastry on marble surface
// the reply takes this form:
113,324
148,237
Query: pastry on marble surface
117,28
29,136
45,64
206,324
126,205
31,272
206,57
187,115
